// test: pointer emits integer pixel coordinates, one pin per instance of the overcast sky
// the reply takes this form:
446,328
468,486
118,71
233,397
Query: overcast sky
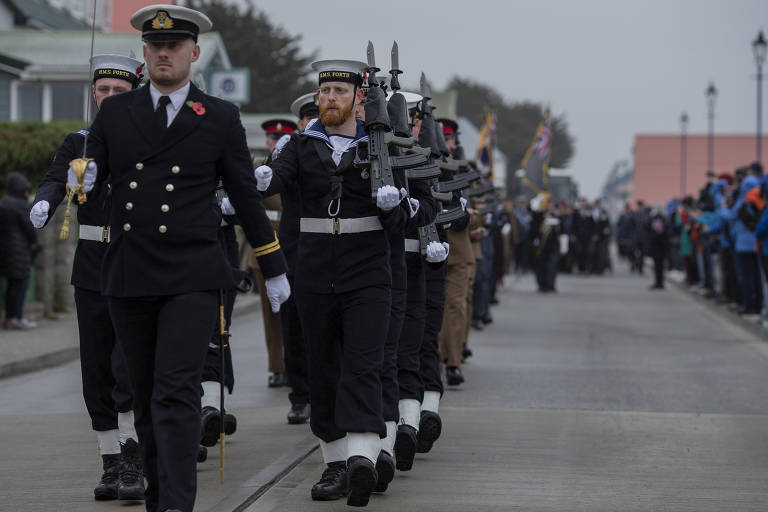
612,68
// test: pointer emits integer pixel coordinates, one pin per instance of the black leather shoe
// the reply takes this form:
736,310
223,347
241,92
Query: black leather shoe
477,324
230,423
298,414
405,447
430,427
385,470
453,376
107,488
487,319
276,380
333,483
202,453
210,426
466,352
131,480
361,480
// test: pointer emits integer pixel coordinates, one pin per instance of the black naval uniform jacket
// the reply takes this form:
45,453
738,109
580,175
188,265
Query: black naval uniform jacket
164,216
86,267
327,263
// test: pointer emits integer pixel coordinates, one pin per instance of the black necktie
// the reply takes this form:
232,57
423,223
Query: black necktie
161,114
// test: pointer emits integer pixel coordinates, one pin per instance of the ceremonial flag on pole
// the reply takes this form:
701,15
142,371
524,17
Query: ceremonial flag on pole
485,144
536,160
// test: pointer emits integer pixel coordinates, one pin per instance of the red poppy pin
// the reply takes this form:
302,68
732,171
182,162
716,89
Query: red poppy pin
197,107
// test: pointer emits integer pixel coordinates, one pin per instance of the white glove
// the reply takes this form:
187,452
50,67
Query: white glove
226,206
437,252
387,197
507,229
413,206
39,213
263,175
279,145
278,291
463,201
88,180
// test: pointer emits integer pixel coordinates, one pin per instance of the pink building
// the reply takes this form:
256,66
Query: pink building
123,9
657,173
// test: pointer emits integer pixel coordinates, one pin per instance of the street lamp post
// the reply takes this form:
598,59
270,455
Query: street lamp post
683,169
711,97
759,48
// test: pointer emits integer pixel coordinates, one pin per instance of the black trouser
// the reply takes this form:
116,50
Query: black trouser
15,289
730,283
389,371
658,256
751,282
546,269
484,278
165,341
345,333
295,351
409,377
433,321
212,366
106,384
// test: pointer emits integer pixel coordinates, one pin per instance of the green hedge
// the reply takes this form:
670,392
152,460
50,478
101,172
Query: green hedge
29,147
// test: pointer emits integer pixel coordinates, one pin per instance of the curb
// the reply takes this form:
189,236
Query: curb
753,328
246,303
41,362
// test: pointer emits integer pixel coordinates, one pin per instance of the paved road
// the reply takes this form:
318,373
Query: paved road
603,397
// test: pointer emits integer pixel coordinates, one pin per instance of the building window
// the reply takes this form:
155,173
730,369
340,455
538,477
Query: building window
30,102
67,101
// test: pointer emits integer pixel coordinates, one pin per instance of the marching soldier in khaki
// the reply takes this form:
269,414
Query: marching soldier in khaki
274,129
453,334
476,231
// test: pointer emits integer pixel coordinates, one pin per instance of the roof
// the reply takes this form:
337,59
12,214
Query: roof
66,52
40,14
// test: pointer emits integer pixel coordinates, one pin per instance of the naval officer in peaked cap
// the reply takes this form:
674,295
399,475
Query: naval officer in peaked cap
163,148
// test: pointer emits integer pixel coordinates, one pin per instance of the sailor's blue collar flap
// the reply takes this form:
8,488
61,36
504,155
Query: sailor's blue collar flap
316,130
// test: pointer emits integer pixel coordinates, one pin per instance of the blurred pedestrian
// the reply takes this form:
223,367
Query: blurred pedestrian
658,245
20,246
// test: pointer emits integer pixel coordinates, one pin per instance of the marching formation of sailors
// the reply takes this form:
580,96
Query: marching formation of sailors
366,290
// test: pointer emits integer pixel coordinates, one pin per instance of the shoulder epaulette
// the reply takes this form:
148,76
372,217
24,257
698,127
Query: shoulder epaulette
83,133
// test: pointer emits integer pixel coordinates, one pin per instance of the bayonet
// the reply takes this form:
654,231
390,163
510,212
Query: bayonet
394,82
372,69
425,91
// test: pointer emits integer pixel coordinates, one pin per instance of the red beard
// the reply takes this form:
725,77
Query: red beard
333,114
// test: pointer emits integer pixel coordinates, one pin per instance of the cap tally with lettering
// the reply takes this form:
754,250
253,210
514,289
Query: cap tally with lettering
350,71
116,66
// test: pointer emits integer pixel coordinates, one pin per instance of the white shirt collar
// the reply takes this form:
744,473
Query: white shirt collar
177,97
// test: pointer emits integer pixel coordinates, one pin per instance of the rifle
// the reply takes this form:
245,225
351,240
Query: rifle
380,133
481,190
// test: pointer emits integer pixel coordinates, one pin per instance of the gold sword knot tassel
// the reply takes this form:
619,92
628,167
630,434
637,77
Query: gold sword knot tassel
79,166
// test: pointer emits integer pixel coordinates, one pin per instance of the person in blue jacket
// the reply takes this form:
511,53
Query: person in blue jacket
746,257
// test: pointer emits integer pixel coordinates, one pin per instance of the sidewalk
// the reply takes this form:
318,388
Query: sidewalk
753,327
55,342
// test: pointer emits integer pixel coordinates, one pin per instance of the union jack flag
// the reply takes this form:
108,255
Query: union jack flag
535,163
542,140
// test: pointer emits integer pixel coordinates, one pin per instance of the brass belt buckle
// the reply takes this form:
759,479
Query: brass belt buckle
336,226
105,234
